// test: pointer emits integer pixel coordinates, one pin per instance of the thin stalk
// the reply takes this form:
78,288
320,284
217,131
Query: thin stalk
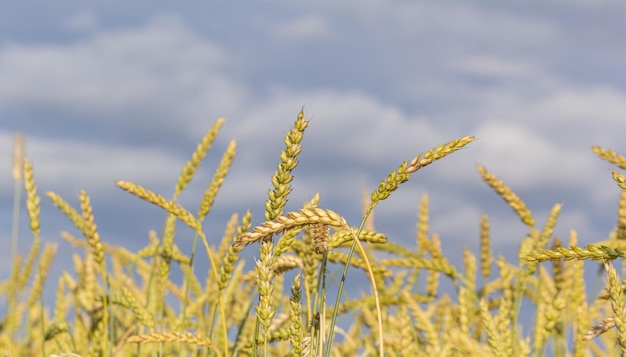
333,321
17,197
41,316
320,303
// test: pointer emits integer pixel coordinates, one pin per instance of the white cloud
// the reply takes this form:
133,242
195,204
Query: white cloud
494,67
565,120
458,25
159,64
534,125
308,28
596,105
67,165
81,21
528,158
343,124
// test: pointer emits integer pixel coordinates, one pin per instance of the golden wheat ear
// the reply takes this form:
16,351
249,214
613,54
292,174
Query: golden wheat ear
293,219
181,337
619,179
404,171
508,196
610,156
591,251
616,296
170,206
281,180
198,155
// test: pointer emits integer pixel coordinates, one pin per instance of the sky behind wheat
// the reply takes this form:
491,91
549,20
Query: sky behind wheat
108,91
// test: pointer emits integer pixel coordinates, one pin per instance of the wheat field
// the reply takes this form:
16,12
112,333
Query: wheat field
116,302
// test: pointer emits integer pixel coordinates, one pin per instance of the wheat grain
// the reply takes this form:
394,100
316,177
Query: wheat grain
342,238
505,318
56,329
32,199
442,317
11,321
558,267
98,339
422,225
27,270
230,233
282,178
398,283
592,251
432,279
441,265
90,230
88,279
404,171
464,309
295,317
265,271
548,229
286,263
423,323
597,330
140,313
158,200
493,336
486,258
196,158
507,194
610,156
619,234
184,337
45,261
619,179
61,303
218,179
70,212
406,343
286,241
617,305
166,248
469,263
574,276
321,233
233,253
292,220
549,306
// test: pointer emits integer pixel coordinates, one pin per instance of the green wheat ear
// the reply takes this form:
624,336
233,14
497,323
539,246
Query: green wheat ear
196,158
282,178
610,156
614,158
619,179
403,173
509,196
616,295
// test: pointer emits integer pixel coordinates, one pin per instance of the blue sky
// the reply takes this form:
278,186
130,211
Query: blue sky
109,91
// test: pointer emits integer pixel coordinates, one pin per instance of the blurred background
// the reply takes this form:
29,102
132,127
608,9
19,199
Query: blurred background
118,91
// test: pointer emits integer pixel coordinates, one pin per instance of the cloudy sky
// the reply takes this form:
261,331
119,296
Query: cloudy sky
109,91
